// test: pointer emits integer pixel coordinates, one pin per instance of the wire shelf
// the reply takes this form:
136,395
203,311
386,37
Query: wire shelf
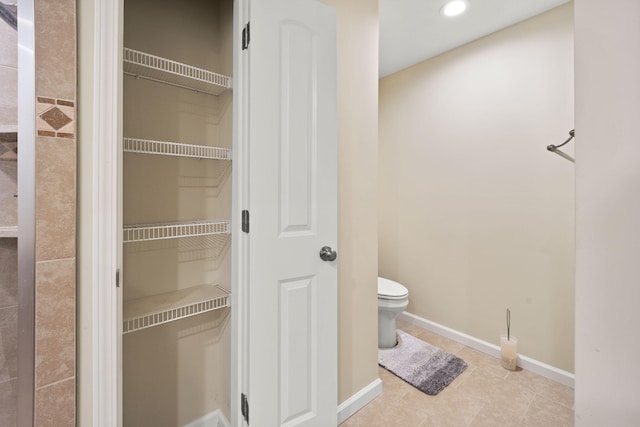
167,148
163,70
145,232
142,313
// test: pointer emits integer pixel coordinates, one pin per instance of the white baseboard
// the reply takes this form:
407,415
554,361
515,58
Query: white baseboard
359,400
212,419
540,368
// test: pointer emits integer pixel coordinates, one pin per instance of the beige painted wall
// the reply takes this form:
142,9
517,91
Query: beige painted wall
357,194
476,216
179,371
607,213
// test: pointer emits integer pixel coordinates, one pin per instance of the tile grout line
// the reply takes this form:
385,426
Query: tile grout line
8,379
56,260
528,407
549,398
56,382
476,414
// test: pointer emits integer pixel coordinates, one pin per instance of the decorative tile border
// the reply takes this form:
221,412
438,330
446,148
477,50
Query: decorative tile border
55,117
9,137
9,146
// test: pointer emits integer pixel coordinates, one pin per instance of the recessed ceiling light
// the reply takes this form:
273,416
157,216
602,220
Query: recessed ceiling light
454,7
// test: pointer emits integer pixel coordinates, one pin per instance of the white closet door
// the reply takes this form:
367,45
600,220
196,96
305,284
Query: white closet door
293,214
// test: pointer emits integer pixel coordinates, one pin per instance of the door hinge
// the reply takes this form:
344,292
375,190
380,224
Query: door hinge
245,221
117,278
246,36
244,407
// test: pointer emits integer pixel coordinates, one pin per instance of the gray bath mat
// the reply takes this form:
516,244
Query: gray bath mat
424,366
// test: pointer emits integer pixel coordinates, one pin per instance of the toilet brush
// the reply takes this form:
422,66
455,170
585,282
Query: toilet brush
508,347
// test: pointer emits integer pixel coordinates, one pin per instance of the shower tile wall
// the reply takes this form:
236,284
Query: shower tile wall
55,215
8,122
8,220
55,369
8,329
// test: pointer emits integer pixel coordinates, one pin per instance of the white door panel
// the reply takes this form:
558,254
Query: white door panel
298,125
293,210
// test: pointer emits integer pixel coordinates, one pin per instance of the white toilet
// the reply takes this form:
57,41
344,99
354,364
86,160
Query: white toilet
393,298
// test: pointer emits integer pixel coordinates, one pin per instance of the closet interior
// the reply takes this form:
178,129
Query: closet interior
176,208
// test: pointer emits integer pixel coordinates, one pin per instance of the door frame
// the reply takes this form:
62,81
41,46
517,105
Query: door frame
106,216
106,220
239,381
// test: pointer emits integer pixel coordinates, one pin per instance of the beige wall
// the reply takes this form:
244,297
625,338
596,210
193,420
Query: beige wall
475,215
178,371
357,193
607,213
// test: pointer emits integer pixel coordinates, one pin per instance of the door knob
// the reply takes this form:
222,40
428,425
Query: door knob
328,254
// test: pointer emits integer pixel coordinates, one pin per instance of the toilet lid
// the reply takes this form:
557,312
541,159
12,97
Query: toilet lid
391,290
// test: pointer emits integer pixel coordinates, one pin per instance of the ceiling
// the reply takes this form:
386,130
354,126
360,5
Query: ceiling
414,30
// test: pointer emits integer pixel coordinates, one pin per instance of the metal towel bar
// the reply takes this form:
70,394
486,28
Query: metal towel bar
554,148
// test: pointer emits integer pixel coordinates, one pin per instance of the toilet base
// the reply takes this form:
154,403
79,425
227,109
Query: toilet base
393,299
387,337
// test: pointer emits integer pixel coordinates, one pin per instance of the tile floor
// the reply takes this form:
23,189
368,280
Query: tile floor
484,395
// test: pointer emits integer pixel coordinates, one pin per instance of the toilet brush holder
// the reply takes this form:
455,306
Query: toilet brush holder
508,352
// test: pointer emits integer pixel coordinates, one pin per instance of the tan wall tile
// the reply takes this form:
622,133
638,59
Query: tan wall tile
55,405
56,48
8,402
55,214
55,198
8,343
8,99
8,45
8,272
55,321
8,189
